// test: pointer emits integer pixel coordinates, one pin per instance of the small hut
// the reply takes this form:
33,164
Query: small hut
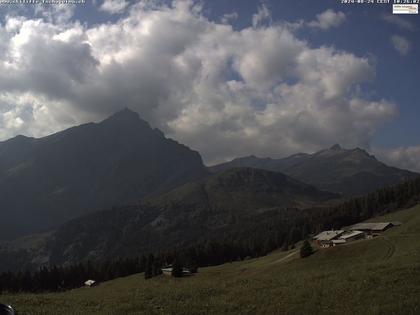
91,283
167,271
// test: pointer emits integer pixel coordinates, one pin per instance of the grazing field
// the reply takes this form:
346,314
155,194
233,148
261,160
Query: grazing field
378,276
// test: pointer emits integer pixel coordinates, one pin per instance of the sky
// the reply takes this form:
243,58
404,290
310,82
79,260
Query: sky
227,78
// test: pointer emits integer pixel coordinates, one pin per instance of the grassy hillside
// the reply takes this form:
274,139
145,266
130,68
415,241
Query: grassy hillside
379,276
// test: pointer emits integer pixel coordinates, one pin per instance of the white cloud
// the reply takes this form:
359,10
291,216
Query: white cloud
114,6
401,44
32,115
328,19
226,93
402,157
227,18
57,13
263,15
400,22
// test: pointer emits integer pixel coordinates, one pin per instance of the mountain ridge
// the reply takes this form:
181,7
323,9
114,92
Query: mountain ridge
347,171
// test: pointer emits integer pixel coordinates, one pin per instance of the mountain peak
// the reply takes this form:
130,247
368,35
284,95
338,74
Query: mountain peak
363,153
119,160
336,147
126,117
125,113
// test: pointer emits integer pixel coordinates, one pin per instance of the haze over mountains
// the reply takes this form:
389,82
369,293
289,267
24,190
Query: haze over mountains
349,172
45,182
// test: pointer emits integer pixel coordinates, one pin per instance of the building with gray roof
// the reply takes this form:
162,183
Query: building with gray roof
371,227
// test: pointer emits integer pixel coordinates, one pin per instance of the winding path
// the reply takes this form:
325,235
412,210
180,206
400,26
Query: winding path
284,258
391,248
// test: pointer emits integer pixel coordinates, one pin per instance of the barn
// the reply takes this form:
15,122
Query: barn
371,228
352,236
325,239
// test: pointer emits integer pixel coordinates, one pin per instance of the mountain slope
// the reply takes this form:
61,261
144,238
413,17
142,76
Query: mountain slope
350,172
196,211
364,277
45,182
247,189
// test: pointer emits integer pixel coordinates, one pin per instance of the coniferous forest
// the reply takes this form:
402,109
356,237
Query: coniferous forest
249,239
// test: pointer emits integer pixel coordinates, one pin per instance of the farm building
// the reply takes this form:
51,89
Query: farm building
352,236
168,271
352,233
334,238
324,239
91,283
371,228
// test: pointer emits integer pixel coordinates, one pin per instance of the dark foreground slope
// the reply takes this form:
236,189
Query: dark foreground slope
350,172
45,182
196,211
371,277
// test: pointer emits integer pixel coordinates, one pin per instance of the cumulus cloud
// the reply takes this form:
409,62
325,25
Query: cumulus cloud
398,21
403,157
224,92
114,6
328,19
263,15
401,44
31,115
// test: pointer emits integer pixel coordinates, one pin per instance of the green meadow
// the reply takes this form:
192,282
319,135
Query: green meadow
377,276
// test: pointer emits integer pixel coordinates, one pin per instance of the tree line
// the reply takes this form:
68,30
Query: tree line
61,278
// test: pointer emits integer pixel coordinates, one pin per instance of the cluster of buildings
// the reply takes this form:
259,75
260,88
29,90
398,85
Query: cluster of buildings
352,233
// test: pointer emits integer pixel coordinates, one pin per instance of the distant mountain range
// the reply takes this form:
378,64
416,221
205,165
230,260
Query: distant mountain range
48,181
349,172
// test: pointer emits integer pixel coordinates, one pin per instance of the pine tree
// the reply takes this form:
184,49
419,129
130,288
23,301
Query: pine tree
306,249
177,268
148,272
285,246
